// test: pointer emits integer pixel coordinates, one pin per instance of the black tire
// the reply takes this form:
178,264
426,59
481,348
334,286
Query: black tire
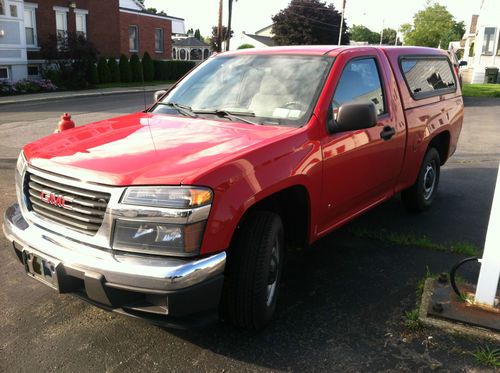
419,196
256,248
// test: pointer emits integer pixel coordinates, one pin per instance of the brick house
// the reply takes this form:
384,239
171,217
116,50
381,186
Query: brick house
115,27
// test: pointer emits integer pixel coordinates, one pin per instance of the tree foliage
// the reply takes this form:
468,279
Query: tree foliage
136,68
308,22
148,67
246,46
389,36
125,73
432,27
114,70
363,33
103,71
197,34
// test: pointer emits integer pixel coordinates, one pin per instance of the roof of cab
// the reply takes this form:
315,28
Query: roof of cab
333,50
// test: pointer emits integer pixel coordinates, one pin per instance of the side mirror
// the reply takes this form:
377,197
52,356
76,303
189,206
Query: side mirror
462,63
159,94
353,116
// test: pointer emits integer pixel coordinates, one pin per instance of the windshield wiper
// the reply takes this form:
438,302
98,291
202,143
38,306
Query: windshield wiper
183,109
231,115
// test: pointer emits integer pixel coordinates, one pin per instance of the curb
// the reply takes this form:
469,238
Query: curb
78,95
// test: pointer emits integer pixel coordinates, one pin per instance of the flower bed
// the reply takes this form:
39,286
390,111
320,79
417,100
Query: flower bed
26,86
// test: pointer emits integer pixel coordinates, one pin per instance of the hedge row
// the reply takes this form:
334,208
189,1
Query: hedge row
135,70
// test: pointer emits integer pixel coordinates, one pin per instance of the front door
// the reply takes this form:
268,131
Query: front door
360,167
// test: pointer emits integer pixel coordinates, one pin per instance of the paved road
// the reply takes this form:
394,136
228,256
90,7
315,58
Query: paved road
341,308
23,123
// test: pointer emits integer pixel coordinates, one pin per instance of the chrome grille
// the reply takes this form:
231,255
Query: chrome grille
84,212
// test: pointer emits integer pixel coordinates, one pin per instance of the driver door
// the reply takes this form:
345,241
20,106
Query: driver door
361,166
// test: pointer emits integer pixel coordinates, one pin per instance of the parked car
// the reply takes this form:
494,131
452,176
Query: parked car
182,213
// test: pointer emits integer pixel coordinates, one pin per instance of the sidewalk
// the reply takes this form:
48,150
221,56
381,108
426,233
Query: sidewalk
50,96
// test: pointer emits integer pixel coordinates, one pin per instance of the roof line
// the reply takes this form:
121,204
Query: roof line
144,13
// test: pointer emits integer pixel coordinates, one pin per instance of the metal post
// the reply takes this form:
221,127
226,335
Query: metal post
490,263
229,18
341,22
382,32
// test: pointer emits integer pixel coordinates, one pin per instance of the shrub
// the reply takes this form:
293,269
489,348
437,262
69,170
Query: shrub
148,68
125,73
7,88
114,70
173,70
136,68
26,86
158,69
246,46
92,75
103,71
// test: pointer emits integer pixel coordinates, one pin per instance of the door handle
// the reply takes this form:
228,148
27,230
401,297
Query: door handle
387,133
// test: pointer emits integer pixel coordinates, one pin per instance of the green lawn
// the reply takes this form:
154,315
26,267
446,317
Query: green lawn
481,90
134,84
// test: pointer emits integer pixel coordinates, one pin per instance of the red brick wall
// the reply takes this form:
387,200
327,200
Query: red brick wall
146,26
102,23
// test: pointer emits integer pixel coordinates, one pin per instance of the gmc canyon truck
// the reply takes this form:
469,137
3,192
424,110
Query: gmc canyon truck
182,213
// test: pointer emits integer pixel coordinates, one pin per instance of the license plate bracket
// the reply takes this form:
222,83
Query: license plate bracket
41,268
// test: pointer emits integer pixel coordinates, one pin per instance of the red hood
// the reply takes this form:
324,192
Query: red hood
142,149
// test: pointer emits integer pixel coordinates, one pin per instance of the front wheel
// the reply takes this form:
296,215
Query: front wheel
420,195
253,272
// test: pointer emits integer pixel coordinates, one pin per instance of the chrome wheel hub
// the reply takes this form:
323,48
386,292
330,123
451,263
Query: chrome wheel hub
429,180
272,278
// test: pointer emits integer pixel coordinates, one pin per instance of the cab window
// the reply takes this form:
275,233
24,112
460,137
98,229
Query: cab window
360,81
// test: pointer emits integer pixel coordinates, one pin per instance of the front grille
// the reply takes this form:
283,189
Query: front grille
84,210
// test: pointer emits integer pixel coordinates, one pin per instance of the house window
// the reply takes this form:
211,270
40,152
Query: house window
489,40
30,26
13,11
61,24
33,70
498,45
133,38
4,73
81,23
2,7
159,40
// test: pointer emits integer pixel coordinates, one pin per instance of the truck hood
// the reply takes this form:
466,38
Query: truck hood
146,149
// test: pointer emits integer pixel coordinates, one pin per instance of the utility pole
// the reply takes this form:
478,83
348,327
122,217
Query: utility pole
341,22
219,29
382,32
229,18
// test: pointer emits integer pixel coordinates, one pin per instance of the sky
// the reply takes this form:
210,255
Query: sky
252,15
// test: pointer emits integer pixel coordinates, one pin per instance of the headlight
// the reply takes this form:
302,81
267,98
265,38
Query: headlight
158,238
168,197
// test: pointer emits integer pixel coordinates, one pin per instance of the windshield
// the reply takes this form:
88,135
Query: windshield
272,89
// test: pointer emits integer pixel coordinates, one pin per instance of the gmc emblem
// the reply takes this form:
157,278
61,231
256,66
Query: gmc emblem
55,199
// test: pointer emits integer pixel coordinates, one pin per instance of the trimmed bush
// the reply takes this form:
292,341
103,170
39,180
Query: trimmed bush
173,70
246,46
92,75
148,68
26,86
124,66
103,71
136,68
158,69
114,70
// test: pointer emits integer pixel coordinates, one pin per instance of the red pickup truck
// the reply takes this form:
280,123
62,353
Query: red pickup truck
183,212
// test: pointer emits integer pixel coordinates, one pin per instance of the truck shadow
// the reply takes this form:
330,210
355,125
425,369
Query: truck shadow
344,299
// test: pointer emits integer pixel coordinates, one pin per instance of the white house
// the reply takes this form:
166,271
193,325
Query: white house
486,47
13,58
258,41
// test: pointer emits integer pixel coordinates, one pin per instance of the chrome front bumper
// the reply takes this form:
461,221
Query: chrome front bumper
139,274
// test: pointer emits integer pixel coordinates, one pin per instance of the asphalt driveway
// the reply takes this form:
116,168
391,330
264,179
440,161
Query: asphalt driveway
342,308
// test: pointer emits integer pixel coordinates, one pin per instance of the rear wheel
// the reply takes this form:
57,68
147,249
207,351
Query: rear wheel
253,272
420,195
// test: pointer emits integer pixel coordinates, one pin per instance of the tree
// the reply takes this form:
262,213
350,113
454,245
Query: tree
93,74
125,73
432,27
114,70
363,33
103,71
148,67
389,36
308,22
136,68
213,39
197,34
